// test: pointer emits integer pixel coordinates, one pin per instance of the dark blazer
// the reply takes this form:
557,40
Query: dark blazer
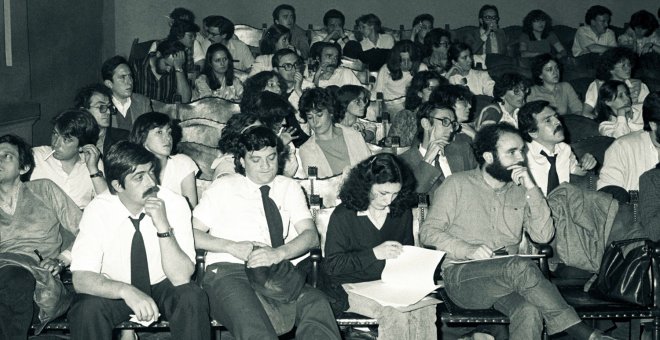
473,39
112,136
460,157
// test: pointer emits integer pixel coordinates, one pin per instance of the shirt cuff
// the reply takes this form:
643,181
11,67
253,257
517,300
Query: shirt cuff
66,256
534,194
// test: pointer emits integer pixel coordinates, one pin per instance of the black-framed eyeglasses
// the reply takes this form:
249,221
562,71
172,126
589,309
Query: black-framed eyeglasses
491,17
103,108
446,122
289,66
521,90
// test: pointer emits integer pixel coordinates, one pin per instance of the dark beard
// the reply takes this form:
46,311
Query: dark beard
499,172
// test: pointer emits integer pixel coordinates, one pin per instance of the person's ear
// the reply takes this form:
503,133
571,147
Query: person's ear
426,123
117,186
108,83
242,160
25,170
534,134
488,157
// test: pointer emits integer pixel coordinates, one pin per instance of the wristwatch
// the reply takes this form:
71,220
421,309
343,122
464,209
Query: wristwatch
168,233
178,70
97,174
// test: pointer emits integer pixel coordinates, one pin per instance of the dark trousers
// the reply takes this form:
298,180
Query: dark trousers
186,307
236,306
16,302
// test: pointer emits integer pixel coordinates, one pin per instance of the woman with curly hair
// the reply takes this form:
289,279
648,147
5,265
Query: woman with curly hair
510,92
538,37
546,76
217,77
275,38
403,63
420,88
370,226
614,110
616,64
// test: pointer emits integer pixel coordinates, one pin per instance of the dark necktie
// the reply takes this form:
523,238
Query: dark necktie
553,177
436,163
139,265
273,218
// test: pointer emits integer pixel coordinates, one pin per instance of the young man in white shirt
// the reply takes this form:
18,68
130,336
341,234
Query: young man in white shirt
235,223
595,36
541,128
135,254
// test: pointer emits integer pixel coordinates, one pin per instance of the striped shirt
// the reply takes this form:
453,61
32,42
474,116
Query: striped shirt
145,82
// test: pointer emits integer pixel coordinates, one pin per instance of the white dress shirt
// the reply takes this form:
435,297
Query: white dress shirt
538,165
106,233
231,209
442,160
627,159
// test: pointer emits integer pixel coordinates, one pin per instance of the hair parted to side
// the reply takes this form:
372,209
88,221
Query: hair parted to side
123,158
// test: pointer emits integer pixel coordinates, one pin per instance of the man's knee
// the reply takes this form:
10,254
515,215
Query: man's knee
523,271
192,294
87,306
529,312
18,280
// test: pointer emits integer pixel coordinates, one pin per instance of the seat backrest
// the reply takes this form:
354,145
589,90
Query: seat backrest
581,85
596,146
203,156
201,131
565,34
139,50
498,60
577,128
249,35
459,33
211,108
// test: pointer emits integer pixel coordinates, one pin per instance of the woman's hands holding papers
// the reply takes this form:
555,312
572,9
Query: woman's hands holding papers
388,250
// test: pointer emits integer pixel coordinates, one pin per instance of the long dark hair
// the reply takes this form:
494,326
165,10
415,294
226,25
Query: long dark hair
394,60
607,92
379,169
213,81
533,16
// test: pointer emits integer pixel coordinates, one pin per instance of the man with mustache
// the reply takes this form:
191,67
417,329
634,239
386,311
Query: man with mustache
135,254
544,133
475,212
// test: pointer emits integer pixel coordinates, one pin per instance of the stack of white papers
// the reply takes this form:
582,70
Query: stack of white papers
405,281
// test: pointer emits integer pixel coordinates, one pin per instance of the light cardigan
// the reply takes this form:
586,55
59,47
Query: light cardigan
312,155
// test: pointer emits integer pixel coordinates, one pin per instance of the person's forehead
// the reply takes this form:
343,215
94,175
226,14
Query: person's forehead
9,148
334,21
288,58
285,13
427,23
122,69
490,12
433,82
141,168
98,98
330,50
509,141
545,113
442,113
219,54
213,29
550,64
603,17
264,152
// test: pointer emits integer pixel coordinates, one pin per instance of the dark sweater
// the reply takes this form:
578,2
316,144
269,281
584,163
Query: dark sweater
350,241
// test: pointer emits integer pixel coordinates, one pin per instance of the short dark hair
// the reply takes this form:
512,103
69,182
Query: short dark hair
645,20
317,50
123,158
271,108
255,139
595,11
282,7
109,66
275,61
420,81
651,110
84,95
271,36
371,20
77,123
434,37
610,58
423,17
394,60
607,92
378,169
224,25
233,130
488,136
179,29
345,95
506,82
484,8
181,13
450,94
145,123
333,14
456,49
207,70
538,63
168,47
255,85
25,156
425,111
527,118
532,17
317,99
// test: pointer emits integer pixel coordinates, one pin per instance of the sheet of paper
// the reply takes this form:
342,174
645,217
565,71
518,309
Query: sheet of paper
405,280
530,256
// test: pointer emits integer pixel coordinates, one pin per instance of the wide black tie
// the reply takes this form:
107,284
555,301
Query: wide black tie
553,177
273,218
139,265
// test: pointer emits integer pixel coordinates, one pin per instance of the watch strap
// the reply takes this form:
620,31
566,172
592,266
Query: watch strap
168,233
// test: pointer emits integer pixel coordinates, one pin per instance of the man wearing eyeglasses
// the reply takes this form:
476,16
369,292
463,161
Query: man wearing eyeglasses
218,29
437,155
489,38
95,99
329,72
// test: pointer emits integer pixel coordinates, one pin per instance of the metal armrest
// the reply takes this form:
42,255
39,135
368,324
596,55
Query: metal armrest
315,257
200,264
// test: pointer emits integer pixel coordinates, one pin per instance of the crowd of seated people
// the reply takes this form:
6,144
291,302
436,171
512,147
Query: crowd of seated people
114,199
